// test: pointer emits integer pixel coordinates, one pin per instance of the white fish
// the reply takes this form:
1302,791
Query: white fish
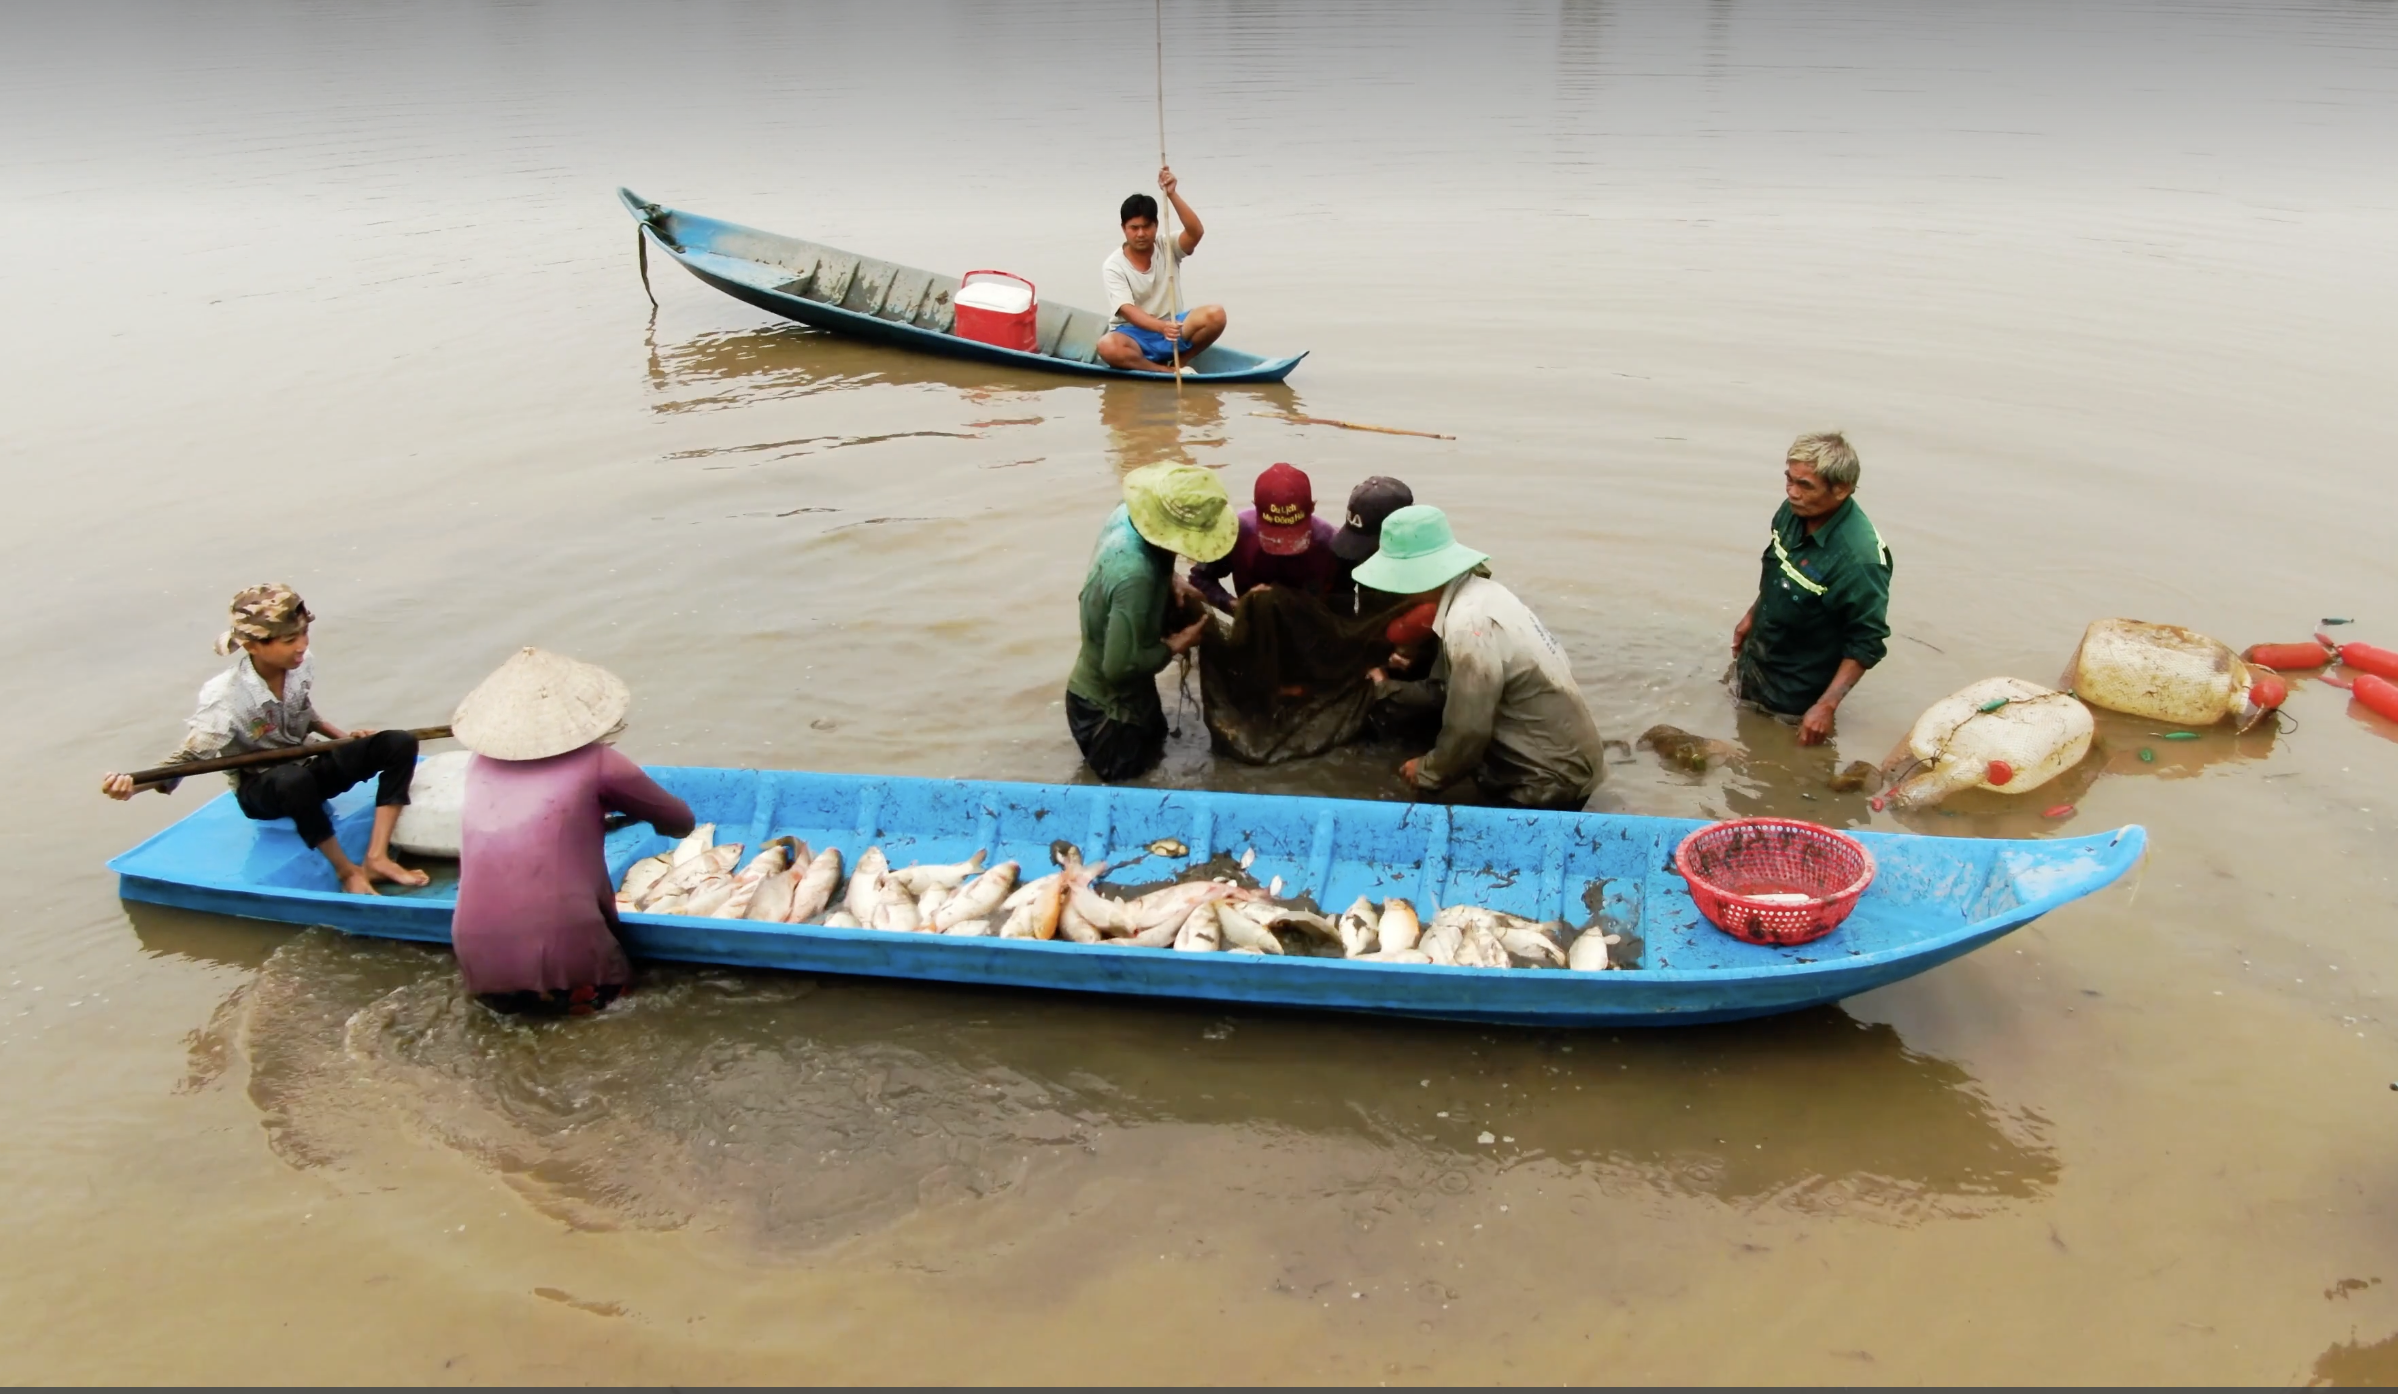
1162,937
1201,932
1243,931
1480,948
897,914
736,907
1399,929
712,892
772,902
677,882
842,919
1075,927
919,879
815,888
1589,951
1041,914
772,858
702,837
643,875
1395,956
978,898
1441,941
929,903
970,929
724,856
1248,856
1356,927
866,885
1529,947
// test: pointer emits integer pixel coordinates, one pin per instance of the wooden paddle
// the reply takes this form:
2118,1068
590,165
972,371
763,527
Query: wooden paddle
159,774
1348,425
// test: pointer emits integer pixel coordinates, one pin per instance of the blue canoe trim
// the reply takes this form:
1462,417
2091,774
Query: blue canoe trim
892,304
1933,899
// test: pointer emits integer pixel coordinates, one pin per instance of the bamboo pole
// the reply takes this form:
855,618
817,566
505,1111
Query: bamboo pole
159,774
1349,425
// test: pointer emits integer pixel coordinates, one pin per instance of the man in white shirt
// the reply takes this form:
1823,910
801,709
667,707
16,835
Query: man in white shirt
1143,330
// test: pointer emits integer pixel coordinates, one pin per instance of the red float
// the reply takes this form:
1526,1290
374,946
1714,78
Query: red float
2288,658
2378,695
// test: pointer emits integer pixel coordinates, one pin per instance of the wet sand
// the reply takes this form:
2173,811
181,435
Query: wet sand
340,296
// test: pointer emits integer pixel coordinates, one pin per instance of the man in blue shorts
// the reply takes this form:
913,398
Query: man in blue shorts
1143,328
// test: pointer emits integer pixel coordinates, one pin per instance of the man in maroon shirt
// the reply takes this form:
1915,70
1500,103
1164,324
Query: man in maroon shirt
1282,543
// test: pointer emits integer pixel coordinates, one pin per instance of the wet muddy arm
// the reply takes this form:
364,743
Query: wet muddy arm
1468,717
623,788
1207,578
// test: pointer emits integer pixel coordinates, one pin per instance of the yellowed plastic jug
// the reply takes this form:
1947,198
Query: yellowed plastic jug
2167,673
2000,733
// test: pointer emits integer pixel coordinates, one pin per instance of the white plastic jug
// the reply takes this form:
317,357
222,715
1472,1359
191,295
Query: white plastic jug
2000,733
430,825
2167,673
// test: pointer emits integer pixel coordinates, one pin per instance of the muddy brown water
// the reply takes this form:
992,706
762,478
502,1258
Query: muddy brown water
340,295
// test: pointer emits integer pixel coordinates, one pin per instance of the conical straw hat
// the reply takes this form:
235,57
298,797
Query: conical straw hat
540,704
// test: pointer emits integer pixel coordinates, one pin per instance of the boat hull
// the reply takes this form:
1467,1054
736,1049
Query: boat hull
900,306
1934,900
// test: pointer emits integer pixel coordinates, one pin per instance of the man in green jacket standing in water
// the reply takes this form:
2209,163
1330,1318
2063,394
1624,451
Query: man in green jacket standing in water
1821,617
1111,699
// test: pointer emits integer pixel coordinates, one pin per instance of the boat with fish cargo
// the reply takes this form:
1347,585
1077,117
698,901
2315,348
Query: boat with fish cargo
897,305
1574,874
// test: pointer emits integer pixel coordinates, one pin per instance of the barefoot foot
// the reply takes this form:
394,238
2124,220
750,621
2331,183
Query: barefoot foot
355,882
385,869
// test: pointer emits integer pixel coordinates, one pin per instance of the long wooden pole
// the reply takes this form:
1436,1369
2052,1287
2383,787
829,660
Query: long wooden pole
160,774
1165,215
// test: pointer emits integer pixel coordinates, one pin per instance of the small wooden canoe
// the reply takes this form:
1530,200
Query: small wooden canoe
893,304
1932,899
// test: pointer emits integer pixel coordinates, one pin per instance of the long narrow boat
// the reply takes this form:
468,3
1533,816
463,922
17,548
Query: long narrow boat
1932,900
894,304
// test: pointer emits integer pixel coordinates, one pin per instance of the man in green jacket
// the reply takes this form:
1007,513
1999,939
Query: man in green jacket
1111,698
1821,617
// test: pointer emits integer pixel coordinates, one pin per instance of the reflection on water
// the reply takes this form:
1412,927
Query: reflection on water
793,1113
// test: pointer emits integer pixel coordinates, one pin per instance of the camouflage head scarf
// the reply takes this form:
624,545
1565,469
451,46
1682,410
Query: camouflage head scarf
264,613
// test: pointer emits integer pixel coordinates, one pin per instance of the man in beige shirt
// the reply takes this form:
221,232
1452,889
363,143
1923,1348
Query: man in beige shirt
1144,332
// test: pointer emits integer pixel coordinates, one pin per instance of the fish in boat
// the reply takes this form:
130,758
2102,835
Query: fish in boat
815,888
1398,930
948,878
898,305
978,900
1933,898
1588,952
1202,930
1357,927
1242,931
865,894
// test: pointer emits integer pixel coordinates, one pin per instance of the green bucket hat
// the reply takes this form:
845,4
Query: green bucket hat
1418,553
1183,509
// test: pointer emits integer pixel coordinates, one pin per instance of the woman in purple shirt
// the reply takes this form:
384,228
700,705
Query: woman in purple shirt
1282,543
535,929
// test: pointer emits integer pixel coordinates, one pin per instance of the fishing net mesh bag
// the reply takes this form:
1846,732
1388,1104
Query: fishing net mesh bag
1285,677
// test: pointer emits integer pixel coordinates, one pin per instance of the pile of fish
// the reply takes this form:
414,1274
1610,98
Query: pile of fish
787,884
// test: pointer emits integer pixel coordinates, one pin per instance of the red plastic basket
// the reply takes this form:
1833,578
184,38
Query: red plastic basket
1742,871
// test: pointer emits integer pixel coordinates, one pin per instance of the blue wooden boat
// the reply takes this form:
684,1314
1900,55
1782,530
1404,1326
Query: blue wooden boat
1933,899
894,304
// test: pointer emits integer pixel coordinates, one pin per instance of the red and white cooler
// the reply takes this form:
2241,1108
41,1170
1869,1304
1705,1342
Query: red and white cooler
1001,311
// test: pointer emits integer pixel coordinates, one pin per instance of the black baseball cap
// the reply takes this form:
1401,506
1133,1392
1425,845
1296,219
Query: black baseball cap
1369,503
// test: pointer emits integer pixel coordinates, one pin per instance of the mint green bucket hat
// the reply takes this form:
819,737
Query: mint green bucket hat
1418,553
1183,509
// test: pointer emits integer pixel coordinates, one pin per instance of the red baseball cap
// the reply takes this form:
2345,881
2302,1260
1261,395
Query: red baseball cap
1286,509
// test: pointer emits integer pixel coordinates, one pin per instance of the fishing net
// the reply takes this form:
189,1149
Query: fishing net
1285,678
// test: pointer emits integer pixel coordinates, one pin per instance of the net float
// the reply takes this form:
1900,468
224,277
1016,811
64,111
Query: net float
2288,658
2377,695
2370,658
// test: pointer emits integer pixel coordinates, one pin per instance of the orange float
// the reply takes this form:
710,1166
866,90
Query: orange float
2288,658
2378,695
